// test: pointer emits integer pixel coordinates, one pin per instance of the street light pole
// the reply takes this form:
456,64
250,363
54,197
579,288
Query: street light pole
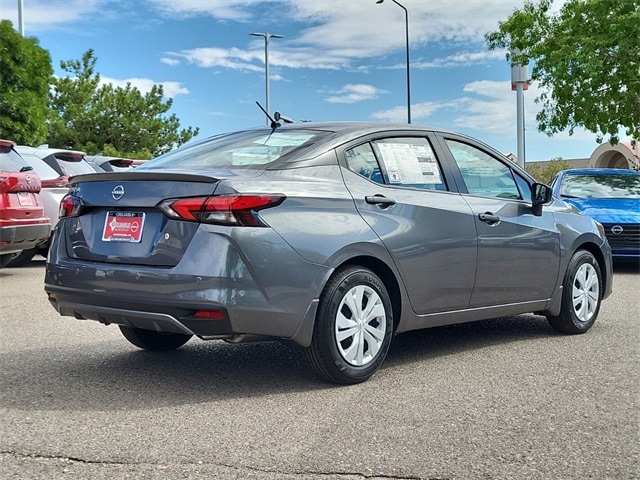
406,29
20,18
266,37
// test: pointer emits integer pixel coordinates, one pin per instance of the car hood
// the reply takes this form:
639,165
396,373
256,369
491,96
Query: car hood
608,210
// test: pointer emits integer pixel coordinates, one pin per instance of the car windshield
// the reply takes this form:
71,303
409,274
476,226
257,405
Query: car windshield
248,149
601,186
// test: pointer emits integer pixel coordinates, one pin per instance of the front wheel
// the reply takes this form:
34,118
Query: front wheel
353,328
581,295
152,340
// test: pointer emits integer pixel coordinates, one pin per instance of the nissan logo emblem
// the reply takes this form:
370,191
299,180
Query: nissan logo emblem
617,229
118,192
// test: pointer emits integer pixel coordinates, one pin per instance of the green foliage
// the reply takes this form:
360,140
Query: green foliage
25,75
586,59
115,121
545,171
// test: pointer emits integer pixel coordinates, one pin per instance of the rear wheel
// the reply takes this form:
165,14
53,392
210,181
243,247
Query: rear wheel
353,328
581,295
5,259
152,340
22,258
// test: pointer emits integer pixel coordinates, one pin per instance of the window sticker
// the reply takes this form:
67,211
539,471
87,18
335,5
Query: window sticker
410,164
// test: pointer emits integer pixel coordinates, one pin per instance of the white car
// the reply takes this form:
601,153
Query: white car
54,167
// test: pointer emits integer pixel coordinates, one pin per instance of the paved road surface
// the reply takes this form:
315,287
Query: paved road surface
500,399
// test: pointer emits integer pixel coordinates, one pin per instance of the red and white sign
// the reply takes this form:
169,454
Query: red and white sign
25,199
123,227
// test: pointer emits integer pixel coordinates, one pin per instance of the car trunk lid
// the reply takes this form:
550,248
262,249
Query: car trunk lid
119,221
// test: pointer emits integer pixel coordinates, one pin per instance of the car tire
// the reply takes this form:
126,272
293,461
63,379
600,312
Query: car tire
5,259
22,258
353,328
152,340
581,295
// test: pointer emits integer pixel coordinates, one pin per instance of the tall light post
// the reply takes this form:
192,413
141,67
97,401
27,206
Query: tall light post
20,18
266,37
406,29
519,83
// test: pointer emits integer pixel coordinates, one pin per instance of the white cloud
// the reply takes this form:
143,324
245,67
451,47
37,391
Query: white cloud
353,93
172,62
233,58
170,89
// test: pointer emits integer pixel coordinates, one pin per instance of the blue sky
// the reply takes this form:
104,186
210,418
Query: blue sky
337,60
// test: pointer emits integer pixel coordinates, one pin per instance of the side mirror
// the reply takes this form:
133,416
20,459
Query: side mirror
540,195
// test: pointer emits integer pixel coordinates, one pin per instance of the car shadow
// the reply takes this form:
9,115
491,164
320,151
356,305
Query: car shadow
112,375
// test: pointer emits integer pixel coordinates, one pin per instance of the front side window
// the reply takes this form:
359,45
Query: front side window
483,174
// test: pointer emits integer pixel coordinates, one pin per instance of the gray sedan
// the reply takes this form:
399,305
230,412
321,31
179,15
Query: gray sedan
333,236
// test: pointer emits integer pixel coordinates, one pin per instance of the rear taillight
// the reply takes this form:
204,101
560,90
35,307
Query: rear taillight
60,182
70,206
234,210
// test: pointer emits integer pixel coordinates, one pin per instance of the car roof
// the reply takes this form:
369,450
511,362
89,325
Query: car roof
43,151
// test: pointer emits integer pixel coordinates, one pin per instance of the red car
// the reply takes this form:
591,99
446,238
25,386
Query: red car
23,224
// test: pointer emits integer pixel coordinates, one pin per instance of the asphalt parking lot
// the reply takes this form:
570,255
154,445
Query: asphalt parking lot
500,399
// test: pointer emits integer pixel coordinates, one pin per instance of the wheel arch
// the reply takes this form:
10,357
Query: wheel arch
602,263
382,270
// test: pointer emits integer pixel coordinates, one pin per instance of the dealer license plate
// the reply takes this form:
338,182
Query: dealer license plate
123,227
25,199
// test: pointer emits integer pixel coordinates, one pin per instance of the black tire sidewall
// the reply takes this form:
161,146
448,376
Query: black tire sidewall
569,316
329,303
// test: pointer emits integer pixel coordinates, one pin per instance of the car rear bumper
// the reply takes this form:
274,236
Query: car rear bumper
15,238
267,290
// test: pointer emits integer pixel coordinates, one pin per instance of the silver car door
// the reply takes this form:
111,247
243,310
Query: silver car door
518,252
400,191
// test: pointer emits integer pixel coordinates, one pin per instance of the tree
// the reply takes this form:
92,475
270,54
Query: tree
111,120
545,171
25,76
586,59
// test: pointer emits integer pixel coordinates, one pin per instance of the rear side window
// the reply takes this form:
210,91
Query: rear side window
399,162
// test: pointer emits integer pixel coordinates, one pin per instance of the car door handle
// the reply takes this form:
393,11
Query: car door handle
379,200
489,218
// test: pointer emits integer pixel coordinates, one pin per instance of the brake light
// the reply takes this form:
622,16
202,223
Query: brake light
70,206
234,210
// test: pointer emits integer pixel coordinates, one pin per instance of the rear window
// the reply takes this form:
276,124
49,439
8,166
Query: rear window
44,171
75,167
248,149
10,160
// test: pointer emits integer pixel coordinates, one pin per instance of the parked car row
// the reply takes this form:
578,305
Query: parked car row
51,169
23,221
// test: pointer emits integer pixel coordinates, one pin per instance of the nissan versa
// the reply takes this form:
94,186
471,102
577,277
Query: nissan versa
334,236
